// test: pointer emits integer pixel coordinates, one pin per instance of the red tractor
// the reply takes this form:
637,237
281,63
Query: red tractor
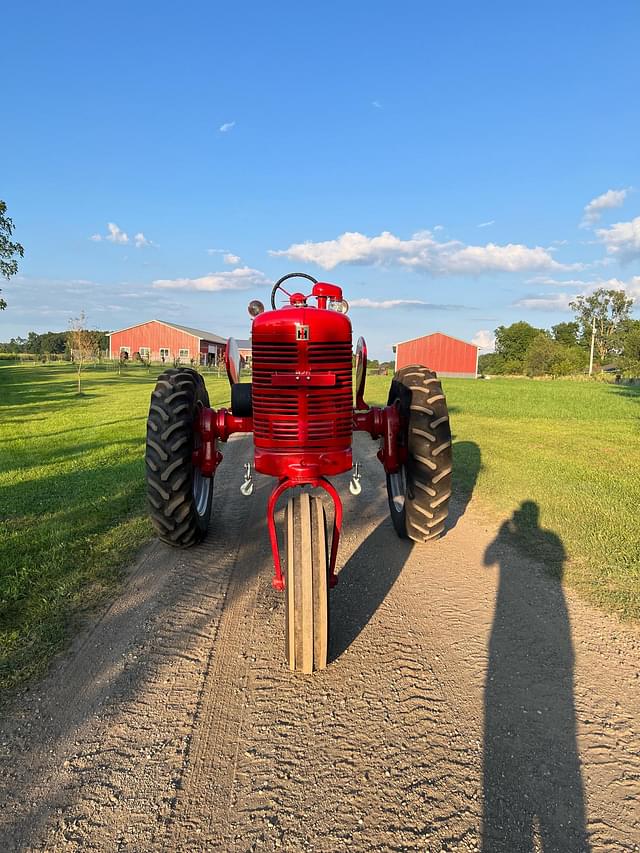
301,412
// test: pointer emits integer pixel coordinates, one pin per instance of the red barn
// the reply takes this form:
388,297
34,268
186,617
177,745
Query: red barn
157,340
446,355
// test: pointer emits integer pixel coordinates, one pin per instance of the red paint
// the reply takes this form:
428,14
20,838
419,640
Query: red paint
302,427
155,335
438,352
283,485
303,414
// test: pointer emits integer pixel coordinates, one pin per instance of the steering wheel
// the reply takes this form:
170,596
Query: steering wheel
278,285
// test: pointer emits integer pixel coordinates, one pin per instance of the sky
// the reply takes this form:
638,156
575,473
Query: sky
454,167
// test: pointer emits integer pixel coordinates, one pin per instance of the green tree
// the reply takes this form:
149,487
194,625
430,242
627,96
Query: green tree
630,361
610,308
548,357
512,343
542,355
566,333
9,250
491,363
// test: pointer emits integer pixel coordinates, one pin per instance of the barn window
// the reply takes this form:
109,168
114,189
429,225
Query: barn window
125,349
144,352
184,353
164,353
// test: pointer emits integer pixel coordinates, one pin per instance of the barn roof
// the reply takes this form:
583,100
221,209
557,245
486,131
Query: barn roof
244,344
431,334
198,333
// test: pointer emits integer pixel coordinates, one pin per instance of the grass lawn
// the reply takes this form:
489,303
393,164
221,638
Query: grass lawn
573,448
71,499
72,486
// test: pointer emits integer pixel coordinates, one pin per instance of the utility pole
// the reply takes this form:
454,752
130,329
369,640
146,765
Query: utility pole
593,341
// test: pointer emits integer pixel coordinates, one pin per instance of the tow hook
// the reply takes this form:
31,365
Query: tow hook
354,486
247,486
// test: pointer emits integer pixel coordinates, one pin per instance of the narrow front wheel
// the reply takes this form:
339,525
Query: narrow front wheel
307,584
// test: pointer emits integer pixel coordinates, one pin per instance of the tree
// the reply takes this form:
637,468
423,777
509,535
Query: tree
512,343
610,309
9,250
571,360
83,343
566,333
542,356
630,362
491,362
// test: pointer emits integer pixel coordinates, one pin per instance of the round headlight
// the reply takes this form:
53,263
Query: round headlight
255,307
340,305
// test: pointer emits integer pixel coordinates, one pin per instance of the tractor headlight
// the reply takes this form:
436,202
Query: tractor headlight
255,307
339,305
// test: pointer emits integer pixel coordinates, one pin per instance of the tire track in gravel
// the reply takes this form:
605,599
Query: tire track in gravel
190,733
367,754
92,758
385,749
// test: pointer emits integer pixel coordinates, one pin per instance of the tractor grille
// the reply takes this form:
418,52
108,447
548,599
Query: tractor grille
306,417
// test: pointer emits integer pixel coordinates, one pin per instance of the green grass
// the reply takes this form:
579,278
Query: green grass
573,448
72,486
71,500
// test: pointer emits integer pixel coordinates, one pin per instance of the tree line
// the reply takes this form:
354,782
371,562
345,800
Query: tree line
603,317
53,343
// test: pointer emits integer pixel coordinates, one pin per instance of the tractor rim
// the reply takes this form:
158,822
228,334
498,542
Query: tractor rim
398,487
201,489
200,485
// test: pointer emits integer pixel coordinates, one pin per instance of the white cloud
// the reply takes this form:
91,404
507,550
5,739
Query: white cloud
593,211
227,126
421,252
242,278
231,259
376,104
557,302
622,239
117,235
438,227
385,304
486,224
560,301
485,340
556,282
630,286
633,287
141,241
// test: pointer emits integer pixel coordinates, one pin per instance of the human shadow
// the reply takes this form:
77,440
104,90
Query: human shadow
364,582
533,792
467,463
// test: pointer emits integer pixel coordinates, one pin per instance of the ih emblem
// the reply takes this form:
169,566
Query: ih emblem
302,332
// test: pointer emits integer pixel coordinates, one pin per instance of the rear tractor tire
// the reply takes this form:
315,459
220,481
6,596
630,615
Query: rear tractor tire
419,493
307,585
179,497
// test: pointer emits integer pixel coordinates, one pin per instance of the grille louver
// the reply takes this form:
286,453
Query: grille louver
279,414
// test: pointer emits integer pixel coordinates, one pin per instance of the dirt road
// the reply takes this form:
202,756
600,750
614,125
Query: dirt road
472,704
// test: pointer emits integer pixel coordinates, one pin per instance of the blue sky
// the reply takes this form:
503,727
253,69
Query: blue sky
436,160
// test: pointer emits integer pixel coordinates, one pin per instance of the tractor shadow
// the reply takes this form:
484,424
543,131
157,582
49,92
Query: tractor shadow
467,464
364,582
